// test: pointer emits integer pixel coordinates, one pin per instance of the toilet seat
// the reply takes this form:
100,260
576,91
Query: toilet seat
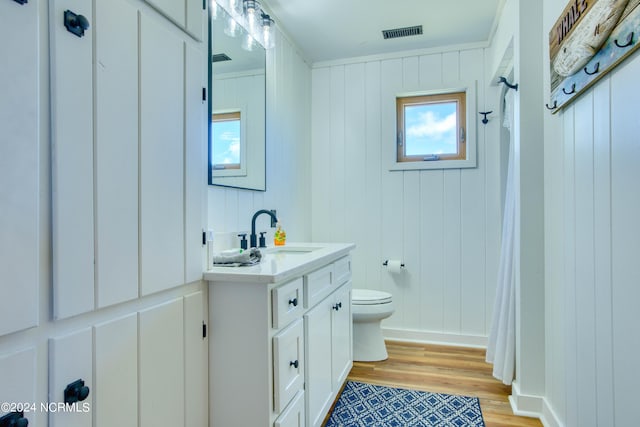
369,297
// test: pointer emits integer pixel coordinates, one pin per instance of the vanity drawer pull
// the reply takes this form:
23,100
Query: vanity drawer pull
285,300
337,306
294,364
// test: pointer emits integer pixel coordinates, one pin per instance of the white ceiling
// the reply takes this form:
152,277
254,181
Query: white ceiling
336,29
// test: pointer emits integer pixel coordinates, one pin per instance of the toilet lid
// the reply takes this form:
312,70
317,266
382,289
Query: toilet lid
369,297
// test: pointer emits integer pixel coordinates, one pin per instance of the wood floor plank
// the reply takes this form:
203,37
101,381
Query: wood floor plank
444,369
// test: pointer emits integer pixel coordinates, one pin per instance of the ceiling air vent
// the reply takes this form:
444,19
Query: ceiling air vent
402,32
219,57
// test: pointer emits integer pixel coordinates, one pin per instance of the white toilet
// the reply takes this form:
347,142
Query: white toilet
369,308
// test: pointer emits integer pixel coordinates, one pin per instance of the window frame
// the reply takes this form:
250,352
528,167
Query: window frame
466,120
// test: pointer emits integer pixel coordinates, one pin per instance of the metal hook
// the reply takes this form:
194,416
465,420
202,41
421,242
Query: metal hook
628,43
595,70
509,85
485,113
553,107
573,90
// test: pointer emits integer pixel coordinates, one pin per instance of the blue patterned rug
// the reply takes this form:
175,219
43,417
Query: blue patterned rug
367,405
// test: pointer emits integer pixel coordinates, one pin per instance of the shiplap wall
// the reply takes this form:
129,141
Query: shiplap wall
287,155
593,236
443,224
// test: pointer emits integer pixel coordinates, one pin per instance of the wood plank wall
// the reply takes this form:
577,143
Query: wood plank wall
443,224
593,243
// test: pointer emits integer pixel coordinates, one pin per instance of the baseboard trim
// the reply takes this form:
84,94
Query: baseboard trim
549,417
524,404
410,335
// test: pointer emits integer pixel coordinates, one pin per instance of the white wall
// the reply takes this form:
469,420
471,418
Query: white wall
592,235
288,155
443,224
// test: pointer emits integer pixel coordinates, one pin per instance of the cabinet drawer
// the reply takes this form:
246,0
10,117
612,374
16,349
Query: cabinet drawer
288,364
341,271
317,285
286,303
293,416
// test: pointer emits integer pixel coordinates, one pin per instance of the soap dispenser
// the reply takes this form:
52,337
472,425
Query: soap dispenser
279,236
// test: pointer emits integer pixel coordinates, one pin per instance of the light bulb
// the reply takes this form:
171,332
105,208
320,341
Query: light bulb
267,31
231,28
251,8
247,43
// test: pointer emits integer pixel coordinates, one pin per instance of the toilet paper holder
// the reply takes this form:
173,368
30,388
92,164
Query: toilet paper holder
386,262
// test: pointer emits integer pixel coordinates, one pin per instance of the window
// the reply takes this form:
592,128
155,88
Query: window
226,141
431,127
435,128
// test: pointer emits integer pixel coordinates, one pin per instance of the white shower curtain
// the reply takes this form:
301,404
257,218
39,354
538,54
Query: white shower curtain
502,337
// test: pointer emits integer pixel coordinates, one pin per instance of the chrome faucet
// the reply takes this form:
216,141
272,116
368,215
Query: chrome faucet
253,239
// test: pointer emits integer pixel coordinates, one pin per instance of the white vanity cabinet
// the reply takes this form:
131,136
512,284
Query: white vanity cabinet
275,353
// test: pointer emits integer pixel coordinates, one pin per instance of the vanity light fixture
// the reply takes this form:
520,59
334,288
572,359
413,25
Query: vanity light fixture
251,11
250,15
267,33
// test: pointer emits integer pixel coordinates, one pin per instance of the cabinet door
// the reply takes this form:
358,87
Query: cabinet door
116,372
161,161
116,145
72,161
341,329
161,393
18,381
71,359
318,367
196,369
293,415
19,166
288,364
195,171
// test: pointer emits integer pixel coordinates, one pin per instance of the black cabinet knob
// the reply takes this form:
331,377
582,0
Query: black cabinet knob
293,302
294,364
337,306
75,24
76,392
14,419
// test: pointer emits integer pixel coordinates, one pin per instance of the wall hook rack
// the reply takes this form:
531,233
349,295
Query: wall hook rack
628,43
595,69
572,91
485,114
509,85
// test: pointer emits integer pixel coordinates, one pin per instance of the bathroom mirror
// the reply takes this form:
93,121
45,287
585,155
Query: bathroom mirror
237,105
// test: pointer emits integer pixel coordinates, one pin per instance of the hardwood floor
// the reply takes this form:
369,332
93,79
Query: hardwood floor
442,369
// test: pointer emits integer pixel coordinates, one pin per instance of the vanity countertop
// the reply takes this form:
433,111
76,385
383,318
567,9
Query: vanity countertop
281,263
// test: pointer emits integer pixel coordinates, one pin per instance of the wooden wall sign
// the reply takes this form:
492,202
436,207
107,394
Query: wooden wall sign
587,41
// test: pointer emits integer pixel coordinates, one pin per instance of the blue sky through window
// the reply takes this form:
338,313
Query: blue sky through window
226,142
430,129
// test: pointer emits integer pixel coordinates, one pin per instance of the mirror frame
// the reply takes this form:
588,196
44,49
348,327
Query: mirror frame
210,111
